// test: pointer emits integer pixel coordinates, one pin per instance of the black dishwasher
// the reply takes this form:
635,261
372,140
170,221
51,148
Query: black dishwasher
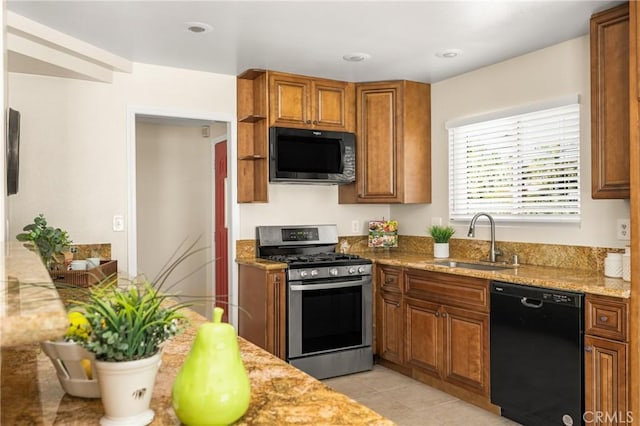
537,374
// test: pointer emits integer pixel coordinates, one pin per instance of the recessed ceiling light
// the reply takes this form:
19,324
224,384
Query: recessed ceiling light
356,57
198,27
449,53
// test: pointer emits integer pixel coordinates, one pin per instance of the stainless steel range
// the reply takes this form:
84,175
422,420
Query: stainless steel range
329,299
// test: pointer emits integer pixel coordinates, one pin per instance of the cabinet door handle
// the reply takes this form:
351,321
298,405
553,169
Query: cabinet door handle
397,305
437,314
388,280
604,318
444,315
308,121
315,121
588,348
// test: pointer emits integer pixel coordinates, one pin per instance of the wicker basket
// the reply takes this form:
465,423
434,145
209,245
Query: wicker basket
89,277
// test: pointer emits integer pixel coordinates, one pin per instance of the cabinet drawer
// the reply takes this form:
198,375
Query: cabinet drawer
606,317
390,279
453,290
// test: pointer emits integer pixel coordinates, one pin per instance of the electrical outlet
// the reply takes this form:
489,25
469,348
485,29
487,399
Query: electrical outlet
436,221
623,229
355,226
118,223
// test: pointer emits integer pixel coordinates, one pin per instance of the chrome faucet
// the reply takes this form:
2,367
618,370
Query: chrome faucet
493,252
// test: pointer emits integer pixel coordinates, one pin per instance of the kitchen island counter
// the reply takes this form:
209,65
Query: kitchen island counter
280,393
28,299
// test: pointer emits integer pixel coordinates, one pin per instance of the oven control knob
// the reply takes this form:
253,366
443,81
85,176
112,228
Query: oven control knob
352,271
303,274
333,272
314,272
361,269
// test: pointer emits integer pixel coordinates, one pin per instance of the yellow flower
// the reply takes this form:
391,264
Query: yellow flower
79,327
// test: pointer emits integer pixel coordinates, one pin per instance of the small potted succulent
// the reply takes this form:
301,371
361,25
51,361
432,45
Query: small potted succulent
441,236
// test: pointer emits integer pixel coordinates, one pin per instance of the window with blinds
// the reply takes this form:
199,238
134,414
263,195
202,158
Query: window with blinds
524,167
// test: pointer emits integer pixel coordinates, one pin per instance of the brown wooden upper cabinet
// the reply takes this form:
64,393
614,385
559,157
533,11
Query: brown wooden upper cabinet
268,98
393,144
610,103
393,131
310,103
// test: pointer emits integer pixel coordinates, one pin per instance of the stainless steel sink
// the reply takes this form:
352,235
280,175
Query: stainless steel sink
469,265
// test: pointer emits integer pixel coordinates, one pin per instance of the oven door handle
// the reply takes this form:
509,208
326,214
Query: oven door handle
343,284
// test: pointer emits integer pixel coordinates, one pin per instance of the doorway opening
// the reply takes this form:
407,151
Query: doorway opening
171,202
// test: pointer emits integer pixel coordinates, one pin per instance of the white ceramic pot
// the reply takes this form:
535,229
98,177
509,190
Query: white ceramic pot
126,389
440,249
69,360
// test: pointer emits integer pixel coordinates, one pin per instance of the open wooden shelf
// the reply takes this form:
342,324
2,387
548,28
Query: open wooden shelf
253,136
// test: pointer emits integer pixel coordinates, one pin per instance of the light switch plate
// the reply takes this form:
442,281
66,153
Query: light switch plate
118,223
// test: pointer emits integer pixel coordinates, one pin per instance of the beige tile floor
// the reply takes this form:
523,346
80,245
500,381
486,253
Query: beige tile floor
408,402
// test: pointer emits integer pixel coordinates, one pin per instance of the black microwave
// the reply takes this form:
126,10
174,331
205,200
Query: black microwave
311,156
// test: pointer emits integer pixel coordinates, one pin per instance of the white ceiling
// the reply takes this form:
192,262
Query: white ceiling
310,37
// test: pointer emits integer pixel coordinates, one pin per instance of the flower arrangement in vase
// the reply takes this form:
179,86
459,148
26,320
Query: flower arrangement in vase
74,364
441,236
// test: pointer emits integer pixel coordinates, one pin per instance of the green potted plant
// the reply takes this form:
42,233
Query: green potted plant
441,236
127,327
127,323
50,242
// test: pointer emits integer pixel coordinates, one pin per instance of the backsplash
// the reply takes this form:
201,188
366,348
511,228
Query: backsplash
555,255
84,251
245,249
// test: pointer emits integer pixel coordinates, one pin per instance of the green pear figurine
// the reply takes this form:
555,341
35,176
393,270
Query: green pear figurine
212,387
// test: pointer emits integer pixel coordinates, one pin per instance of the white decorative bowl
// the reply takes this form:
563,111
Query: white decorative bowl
67,359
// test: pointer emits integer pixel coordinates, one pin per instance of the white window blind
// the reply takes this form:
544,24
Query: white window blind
523,167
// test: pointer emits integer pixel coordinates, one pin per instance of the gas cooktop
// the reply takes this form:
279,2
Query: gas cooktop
331,258
303,246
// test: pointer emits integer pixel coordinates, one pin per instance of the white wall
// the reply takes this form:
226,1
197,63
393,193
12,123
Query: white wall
174,169
73,158
295,204
550,73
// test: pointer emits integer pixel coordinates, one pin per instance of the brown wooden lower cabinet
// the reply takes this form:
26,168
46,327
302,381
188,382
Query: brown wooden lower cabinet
606,382
466,348
262,308
606,371
449,343
435,327
423,341
390,327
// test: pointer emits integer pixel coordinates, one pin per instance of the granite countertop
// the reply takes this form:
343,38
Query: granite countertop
261,263
30,309
280,393
581,280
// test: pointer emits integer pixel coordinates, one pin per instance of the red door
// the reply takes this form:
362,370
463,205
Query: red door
221,232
